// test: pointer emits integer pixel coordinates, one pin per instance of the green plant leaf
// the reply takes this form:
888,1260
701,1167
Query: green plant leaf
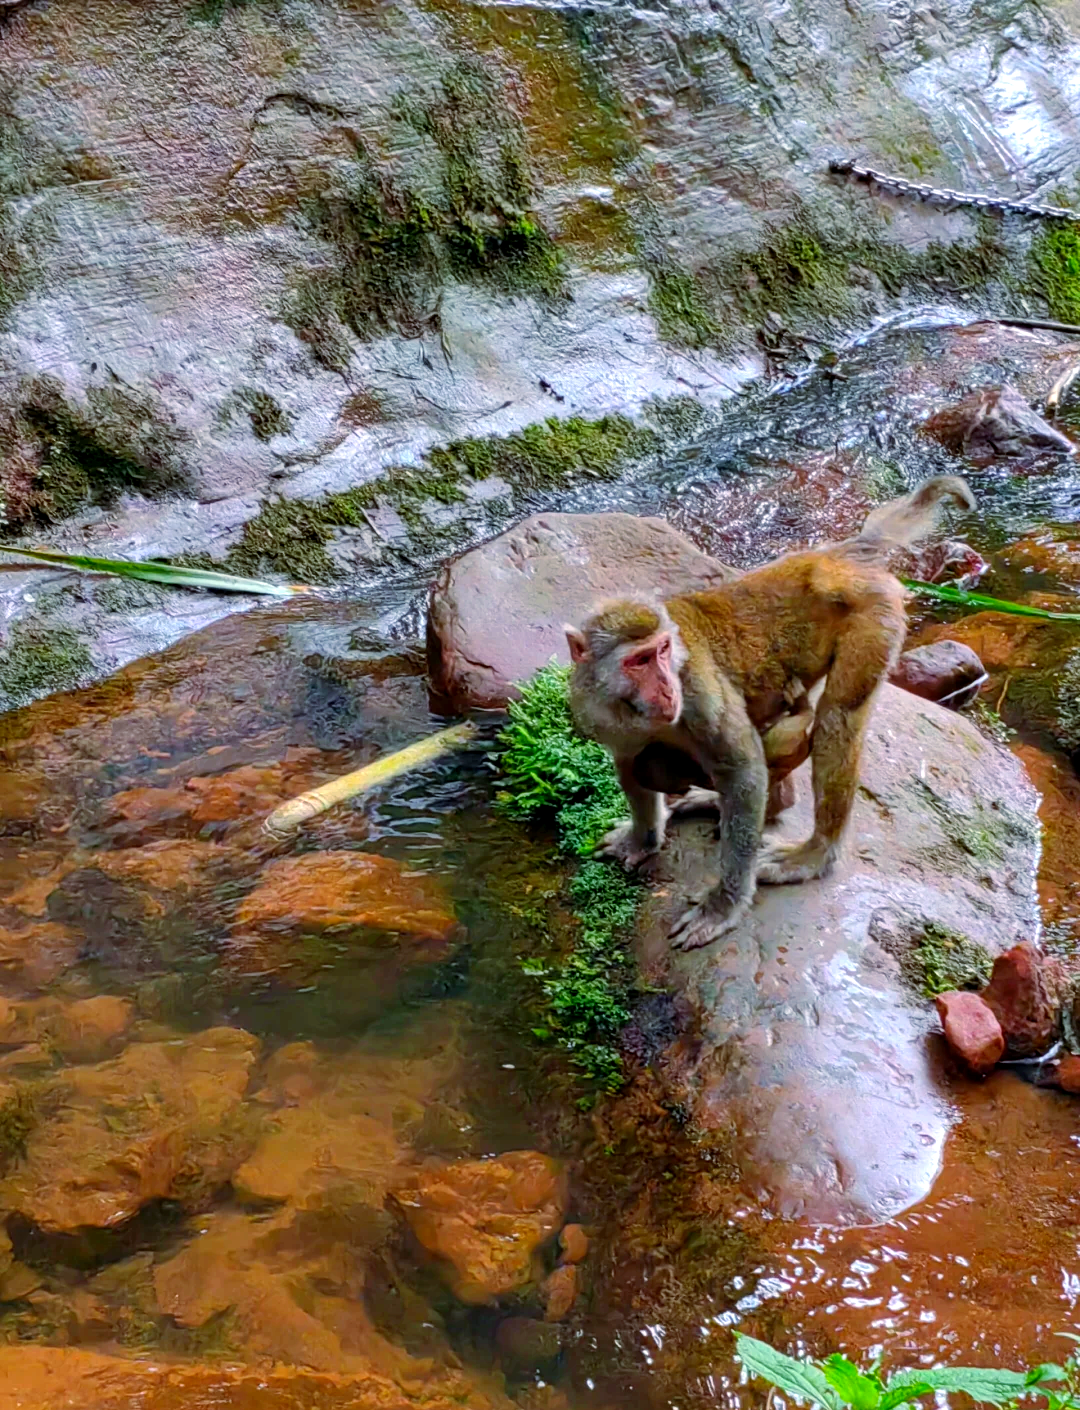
799,1378
958,597
1046,1372
896,1396
988,1385
167,574
859,1391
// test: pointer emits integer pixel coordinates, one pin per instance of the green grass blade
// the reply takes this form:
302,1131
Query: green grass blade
167,574
958,597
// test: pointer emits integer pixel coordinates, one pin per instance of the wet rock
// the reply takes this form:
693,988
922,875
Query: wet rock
949,560
971,1030
1044,556
333,894
38,953
55,1378
496,614
82,1031
484,1220
526,1345
1067,1074
340,890
1023,1001
573,1243
996,422
559,1292
813,1052
161,1121
945,671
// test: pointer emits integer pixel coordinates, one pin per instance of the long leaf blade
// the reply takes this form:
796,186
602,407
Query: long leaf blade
167,574
960,597
859,1391
801,1378
987,1385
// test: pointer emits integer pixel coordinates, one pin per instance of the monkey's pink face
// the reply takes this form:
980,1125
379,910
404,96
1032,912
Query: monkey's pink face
649,668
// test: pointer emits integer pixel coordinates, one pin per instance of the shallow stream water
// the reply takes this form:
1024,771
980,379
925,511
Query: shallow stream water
986,1270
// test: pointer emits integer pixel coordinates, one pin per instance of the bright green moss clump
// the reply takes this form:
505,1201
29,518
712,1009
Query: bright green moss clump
947,960
1055,260
551,771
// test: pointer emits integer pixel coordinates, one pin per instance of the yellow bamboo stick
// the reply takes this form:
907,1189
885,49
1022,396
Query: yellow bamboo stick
297,811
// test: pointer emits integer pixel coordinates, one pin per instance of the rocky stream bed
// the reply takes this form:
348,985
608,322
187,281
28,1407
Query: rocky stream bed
334,293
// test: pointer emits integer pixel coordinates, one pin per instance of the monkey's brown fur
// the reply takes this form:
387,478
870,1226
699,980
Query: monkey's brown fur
745,655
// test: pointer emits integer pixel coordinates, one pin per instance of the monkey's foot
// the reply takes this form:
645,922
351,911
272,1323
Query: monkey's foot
701,925
786,863
623,846
694,800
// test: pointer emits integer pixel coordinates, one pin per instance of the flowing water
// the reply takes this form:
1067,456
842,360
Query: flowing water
985,1270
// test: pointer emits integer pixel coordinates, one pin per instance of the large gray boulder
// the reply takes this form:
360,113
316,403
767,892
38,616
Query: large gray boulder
816,1054
496,613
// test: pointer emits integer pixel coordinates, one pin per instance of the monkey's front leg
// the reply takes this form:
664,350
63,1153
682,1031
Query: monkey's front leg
741,780
643,836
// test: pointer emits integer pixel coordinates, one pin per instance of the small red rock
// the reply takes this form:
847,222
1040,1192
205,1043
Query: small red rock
573,1243
1020,998
1068,1074
971,1029
559,1291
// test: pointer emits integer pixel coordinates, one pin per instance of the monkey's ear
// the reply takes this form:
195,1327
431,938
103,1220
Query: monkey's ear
578,644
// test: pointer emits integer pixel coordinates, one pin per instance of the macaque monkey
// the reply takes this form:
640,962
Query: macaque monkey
713,674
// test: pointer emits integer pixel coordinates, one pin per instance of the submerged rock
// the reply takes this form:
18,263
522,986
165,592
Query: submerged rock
971,1030
161,1121
496,614
484,1220
813,1052
997,422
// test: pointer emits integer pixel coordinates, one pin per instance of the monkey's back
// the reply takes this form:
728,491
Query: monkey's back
780,623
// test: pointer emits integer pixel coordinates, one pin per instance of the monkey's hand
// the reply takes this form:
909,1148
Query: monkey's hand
694,800
788,862
625,845
704,923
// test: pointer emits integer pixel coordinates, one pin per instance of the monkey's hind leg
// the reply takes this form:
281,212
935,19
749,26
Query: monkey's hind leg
632,842
838,742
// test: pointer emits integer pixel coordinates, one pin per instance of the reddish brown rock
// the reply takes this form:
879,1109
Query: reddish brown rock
82,1031
1067,1076
945,671
573,1244
58,1378
559,1292
1023,1001
338,890
971,1030
998,639
159,1122
996,422
496,613
484,1220
1046,557
37,953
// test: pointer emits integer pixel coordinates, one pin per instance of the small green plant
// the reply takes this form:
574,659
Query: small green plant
552,771
836,1383
949,960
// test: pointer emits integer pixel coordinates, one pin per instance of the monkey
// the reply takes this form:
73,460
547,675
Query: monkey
711,674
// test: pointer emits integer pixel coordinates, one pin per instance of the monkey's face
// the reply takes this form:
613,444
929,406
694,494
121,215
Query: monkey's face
649,678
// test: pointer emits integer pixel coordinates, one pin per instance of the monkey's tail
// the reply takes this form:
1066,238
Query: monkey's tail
905,520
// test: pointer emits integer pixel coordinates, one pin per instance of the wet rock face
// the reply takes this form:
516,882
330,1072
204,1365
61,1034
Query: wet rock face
998,423
485,1220
496,613
814,1051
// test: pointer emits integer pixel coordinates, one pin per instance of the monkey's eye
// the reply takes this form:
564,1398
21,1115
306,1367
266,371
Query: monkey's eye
637,662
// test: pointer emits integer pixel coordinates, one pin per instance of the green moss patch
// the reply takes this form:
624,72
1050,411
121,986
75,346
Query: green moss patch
552,773
58,457
1055,269
393,247
265,415
943,960
18,1117
292,537
36,661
